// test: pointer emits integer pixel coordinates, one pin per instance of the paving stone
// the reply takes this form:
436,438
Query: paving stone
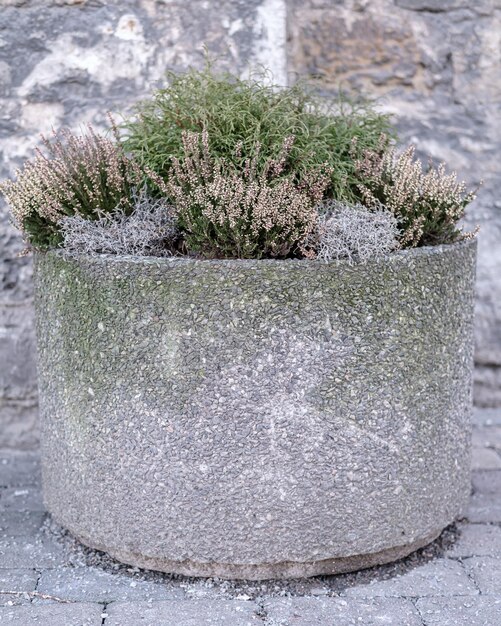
20,523
477,540
472,611
80,614
19,428
487,437
91,584
17,599
16,580
341,612
19,468
486,571
29,552
21,499
184,613
17,357
485,458
438,578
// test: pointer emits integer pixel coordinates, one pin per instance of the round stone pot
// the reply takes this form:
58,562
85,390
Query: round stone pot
256,419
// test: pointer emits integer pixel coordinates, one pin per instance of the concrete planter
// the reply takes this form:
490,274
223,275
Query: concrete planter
256,419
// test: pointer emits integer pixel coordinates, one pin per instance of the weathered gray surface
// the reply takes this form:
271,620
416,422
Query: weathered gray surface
339,612
240,418
435,65
68,62
182,613
425,589
78,614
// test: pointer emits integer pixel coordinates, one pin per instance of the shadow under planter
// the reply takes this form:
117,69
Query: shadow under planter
256,419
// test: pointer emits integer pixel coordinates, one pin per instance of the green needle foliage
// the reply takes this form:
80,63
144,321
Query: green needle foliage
250,113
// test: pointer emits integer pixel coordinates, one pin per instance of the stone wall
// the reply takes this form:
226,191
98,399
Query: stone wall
434,64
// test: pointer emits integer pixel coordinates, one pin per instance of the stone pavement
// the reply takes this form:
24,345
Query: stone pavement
49,579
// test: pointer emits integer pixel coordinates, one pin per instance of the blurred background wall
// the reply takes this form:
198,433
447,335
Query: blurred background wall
434,64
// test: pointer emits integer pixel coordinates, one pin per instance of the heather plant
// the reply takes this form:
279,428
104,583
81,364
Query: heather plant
247,212
252,112
150,230
355,233
427,204
87,175
240,169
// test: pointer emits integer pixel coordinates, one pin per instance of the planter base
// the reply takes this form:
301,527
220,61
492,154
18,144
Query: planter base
263,571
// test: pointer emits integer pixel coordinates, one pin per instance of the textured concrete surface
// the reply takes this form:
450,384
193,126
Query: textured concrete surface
68,62
256,418
454,582
433,63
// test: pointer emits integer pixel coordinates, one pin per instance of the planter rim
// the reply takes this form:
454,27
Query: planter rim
176,261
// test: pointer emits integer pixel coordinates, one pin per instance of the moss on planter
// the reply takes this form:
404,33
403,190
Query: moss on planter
245,417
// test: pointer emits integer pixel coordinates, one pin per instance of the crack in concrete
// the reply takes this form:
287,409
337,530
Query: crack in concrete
104,615
414,602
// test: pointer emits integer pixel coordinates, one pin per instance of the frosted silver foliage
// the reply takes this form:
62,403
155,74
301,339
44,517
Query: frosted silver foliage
256,418
148,231
355,233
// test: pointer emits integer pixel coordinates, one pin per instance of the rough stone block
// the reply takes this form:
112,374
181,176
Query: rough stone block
90,584
17,351
437,6
21,499
363,50
471,611
19,469
184,613
15,272
19,424
341,612
80,614
437,578
20,523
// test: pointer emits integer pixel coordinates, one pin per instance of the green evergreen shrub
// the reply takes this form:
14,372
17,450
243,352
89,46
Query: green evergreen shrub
250,113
